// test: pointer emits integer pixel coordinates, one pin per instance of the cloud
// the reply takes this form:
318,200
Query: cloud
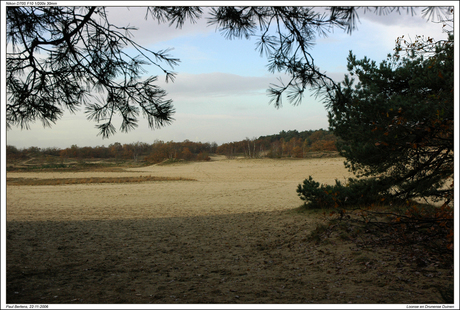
205,117
404,23
407,17
383,15
149,30
216,84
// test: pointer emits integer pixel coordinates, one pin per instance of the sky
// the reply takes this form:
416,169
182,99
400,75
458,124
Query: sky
219,94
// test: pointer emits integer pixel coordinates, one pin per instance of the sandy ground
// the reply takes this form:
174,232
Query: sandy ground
222,187
232,236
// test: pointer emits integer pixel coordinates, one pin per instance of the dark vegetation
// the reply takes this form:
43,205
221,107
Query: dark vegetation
93,180
395,125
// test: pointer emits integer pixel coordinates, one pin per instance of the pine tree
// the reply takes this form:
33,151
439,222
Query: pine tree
396,121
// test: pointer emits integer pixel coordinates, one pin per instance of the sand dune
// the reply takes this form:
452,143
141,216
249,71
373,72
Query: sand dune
222,187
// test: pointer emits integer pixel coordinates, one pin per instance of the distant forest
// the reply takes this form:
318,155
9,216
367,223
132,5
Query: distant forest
285,144
290,143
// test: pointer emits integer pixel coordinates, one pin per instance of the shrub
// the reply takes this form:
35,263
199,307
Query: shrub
203,157
355,193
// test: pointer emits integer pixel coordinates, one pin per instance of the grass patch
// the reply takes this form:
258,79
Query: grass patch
67,168
173,161
66,181
102,165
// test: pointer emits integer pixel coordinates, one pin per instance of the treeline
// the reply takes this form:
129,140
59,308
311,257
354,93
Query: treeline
139,151
285,144
290,143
